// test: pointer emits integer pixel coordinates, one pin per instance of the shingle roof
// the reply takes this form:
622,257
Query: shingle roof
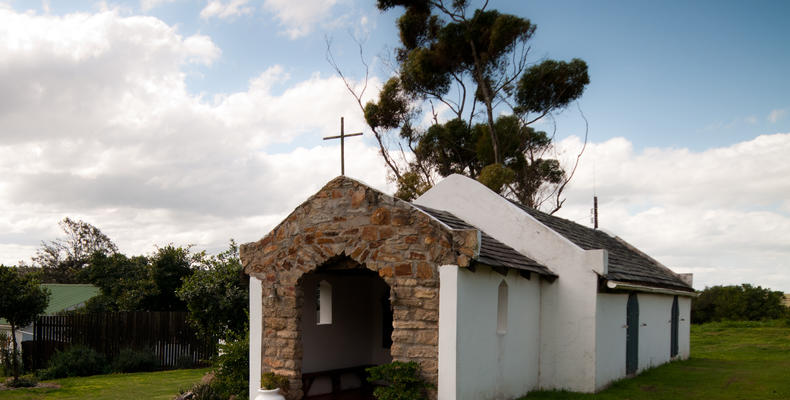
65,297
626,263
492,252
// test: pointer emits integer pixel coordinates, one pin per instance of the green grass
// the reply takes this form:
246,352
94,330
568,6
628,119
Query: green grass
139,386
729,360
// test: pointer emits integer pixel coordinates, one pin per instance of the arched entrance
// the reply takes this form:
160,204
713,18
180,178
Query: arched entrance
346,220
346,325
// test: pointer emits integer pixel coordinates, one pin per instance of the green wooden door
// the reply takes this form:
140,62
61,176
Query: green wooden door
673,343
632,335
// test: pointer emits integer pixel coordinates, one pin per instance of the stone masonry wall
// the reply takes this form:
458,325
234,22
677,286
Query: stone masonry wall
386,235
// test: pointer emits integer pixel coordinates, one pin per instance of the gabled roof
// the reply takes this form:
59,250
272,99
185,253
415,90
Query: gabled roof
492,252
626,263
64,297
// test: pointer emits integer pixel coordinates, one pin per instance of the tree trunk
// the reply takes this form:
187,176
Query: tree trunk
14,356
483,86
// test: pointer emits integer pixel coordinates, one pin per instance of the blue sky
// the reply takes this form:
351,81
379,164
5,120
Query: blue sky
682,74
195,121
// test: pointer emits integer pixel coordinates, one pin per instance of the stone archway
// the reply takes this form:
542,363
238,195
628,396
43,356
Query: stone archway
346,325
390,237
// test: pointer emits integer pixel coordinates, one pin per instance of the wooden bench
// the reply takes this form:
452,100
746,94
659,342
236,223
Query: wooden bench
335,376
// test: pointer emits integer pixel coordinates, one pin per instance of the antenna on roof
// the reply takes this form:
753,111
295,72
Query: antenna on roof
594,211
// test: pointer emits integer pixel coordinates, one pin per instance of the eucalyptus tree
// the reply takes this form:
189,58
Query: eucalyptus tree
461,68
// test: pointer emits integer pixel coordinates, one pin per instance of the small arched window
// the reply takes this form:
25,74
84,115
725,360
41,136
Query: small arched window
501,309
323,303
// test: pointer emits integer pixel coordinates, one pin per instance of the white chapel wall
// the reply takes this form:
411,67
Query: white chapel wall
448,332
492,364
655,327
256,334
353,338
568,308
610,338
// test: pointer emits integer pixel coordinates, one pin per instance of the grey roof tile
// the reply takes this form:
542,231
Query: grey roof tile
626,263
492,252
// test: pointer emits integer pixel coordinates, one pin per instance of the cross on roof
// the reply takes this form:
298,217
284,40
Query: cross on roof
342,137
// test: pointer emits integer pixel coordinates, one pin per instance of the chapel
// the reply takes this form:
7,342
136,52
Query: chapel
491,298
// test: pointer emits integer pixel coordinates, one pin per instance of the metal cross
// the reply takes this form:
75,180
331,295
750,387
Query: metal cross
342,136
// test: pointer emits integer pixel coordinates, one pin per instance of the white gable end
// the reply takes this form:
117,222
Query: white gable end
567,316
490,212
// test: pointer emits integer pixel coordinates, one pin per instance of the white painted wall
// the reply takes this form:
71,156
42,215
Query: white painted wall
684,327
655,322
448,332
256,333
568,305
353,338
492,365
610,337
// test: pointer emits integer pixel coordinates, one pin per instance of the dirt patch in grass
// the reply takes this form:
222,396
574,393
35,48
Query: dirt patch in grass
40,385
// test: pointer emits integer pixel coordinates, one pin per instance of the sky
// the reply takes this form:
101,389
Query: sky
194,122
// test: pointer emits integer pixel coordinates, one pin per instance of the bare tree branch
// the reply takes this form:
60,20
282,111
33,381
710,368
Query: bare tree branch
358,97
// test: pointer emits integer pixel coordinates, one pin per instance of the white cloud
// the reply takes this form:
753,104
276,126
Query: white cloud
721,213
102,128
776,115
299,17
224,10
147,5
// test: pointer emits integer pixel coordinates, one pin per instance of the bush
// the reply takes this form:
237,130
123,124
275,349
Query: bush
737,303
232,366
205,391
6,355
402,381
270,380
185,361
23,382
75,361
132,360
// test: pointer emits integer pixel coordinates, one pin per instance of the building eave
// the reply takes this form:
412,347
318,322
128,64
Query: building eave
616,285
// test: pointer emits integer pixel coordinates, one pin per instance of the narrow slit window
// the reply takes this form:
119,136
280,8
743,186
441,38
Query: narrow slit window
501,312
323,303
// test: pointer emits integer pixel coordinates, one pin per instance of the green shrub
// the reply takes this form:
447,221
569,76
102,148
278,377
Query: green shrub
737,303
185,361
231,367
134,360
75,361
23,382
206,391
402,381
270,380
6,355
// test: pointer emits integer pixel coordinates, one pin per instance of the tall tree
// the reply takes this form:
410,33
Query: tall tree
125,282
169,266
62,260
140,283
22,299
474,65
217,295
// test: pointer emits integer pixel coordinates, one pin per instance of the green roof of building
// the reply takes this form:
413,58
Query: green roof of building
65,297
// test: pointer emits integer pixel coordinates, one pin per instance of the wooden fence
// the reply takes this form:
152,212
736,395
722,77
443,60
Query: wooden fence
165,334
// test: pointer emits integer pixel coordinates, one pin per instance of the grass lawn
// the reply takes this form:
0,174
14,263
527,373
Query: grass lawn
729,360
139,386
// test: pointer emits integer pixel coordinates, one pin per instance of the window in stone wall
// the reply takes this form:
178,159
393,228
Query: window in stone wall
501,311
323,303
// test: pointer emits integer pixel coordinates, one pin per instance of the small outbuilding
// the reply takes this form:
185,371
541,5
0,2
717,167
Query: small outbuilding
491,298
